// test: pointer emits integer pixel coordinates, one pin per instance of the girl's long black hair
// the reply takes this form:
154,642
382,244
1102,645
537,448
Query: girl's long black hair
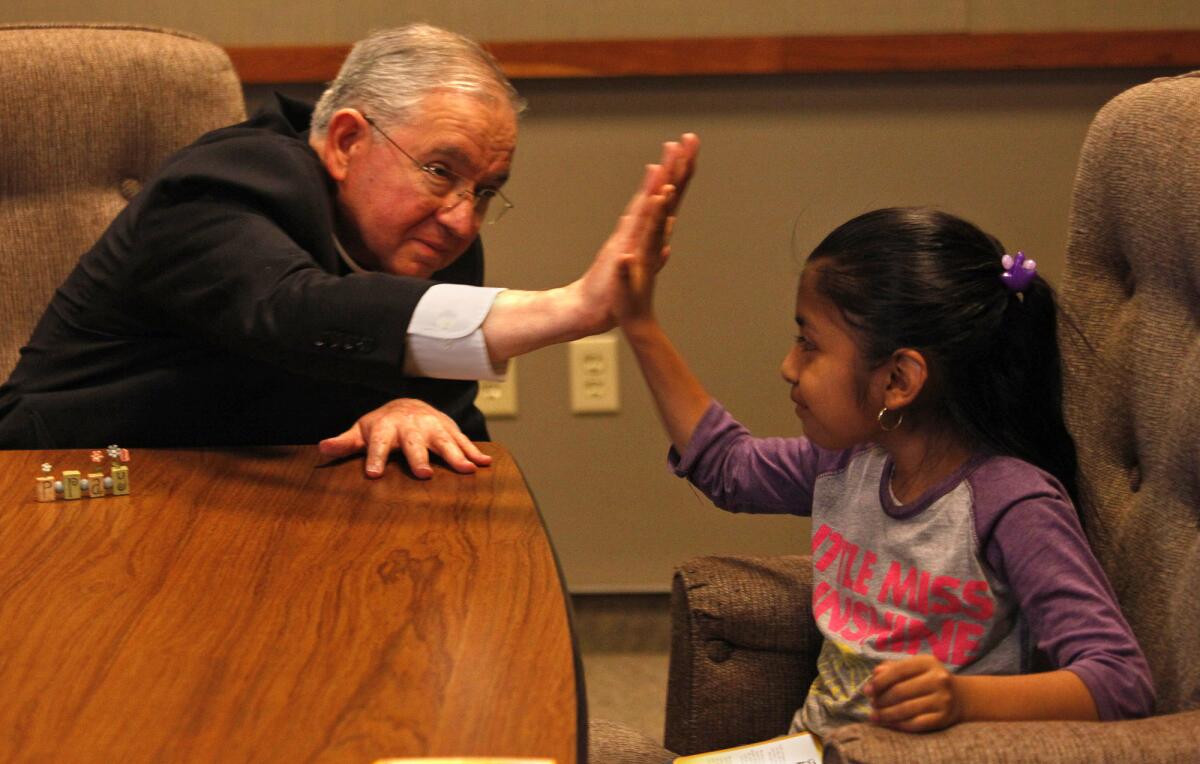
924,279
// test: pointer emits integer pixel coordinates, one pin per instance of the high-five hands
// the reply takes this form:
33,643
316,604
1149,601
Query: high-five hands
642,234
644,255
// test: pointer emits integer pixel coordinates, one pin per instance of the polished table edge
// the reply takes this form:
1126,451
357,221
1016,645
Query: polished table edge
581,714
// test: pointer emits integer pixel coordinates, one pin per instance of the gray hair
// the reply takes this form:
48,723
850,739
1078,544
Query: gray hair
389,73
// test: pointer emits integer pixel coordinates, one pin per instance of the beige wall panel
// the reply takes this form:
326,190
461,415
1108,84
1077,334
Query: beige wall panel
1074,15
250,22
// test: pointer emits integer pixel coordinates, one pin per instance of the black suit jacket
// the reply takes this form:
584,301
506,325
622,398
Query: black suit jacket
215,310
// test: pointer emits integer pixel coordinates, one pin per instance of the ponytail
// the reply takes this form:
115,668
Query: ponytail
1010,399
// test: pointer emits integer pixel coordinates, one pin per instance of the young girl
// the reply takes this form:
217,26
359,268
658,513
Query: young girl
938,473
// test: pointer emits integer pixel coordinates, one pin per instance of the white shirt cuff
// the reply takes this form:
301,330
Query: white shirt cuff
445,337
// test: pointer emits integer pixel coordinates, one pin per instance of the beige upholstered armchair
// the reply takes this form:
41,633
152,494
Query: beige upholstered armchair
744,645
89,111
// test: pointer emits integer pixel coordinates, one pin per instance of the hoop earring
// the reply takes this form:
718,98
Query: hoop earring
884,412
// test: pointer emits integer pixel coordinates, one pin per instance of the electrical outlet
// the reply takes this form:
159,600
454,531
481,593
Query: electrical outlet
593,371
498,399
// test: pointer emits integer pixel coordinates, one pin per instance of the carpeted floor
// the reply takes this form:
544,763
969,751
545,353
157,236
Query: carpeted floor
625,640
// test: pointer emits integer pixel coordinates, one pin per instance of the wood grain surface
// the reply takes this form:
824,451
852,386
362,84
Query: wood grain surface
253,605
553,59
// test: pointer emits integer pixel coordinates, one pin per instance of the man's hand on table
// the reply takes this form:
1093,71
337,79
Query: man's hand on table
412,426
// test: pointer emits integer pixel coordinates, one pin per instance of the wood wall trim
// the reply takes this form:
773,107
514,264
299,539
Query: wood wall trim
774,55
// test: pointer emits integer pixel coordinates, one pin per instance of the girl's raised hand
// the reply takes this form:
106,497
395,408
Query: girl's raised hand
679,162
679,396
916,694
644,254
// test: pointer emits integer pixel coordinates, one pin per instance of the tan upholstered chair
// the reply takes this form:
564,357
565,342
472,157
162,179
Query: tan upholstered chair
744,645
89,111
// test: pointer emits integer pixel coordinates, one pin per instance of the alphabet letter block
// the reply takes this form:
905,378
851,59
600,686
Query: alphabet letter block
45,489
120,478
95,484
70,481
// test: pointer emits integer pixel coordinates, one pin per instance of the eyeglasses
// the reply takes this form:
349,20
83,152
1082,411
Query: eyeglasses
452,188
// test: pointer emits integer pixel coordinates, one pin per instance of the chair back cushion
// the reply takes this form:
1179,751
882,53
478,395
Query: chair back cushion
90,111
1131,346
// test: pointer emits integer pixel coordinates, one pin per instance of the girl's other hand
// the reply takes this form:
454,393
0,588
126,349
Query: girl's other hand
916,694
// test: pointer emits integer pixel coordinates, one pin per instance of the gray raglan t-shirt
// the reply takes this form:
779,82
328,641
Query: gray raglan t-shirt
978,571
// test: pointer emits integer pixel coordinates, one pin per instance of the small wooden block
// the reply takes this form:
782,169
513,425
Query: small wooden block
95,484
70,481
45,489
120,478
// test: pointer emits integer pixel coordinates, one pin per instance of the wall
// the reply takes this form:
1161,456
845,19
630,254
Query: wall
784,160
241,22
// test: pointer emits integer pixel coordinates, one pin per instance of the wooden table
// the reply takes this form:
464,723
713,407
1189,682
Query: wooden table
252,605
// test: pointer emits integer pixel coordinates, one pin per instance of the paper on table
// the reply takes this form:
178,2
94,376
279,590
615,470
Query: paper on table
793,749
464,760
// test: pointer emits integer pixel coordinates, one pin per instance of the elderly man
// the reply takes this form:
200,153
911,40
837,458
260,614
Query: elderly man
309,270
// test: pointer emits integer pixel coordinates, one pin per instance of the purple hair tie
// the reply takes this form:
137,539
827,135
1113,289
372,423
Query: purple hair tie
1018,272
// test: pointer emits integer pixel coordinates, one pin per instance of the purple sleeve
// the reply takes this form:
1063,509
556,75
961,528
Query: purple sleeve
1033,541
741,473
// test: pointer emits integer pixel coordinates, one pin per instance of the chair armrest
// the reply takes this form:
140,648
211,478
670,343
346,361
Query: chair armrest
1171,738
743,650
